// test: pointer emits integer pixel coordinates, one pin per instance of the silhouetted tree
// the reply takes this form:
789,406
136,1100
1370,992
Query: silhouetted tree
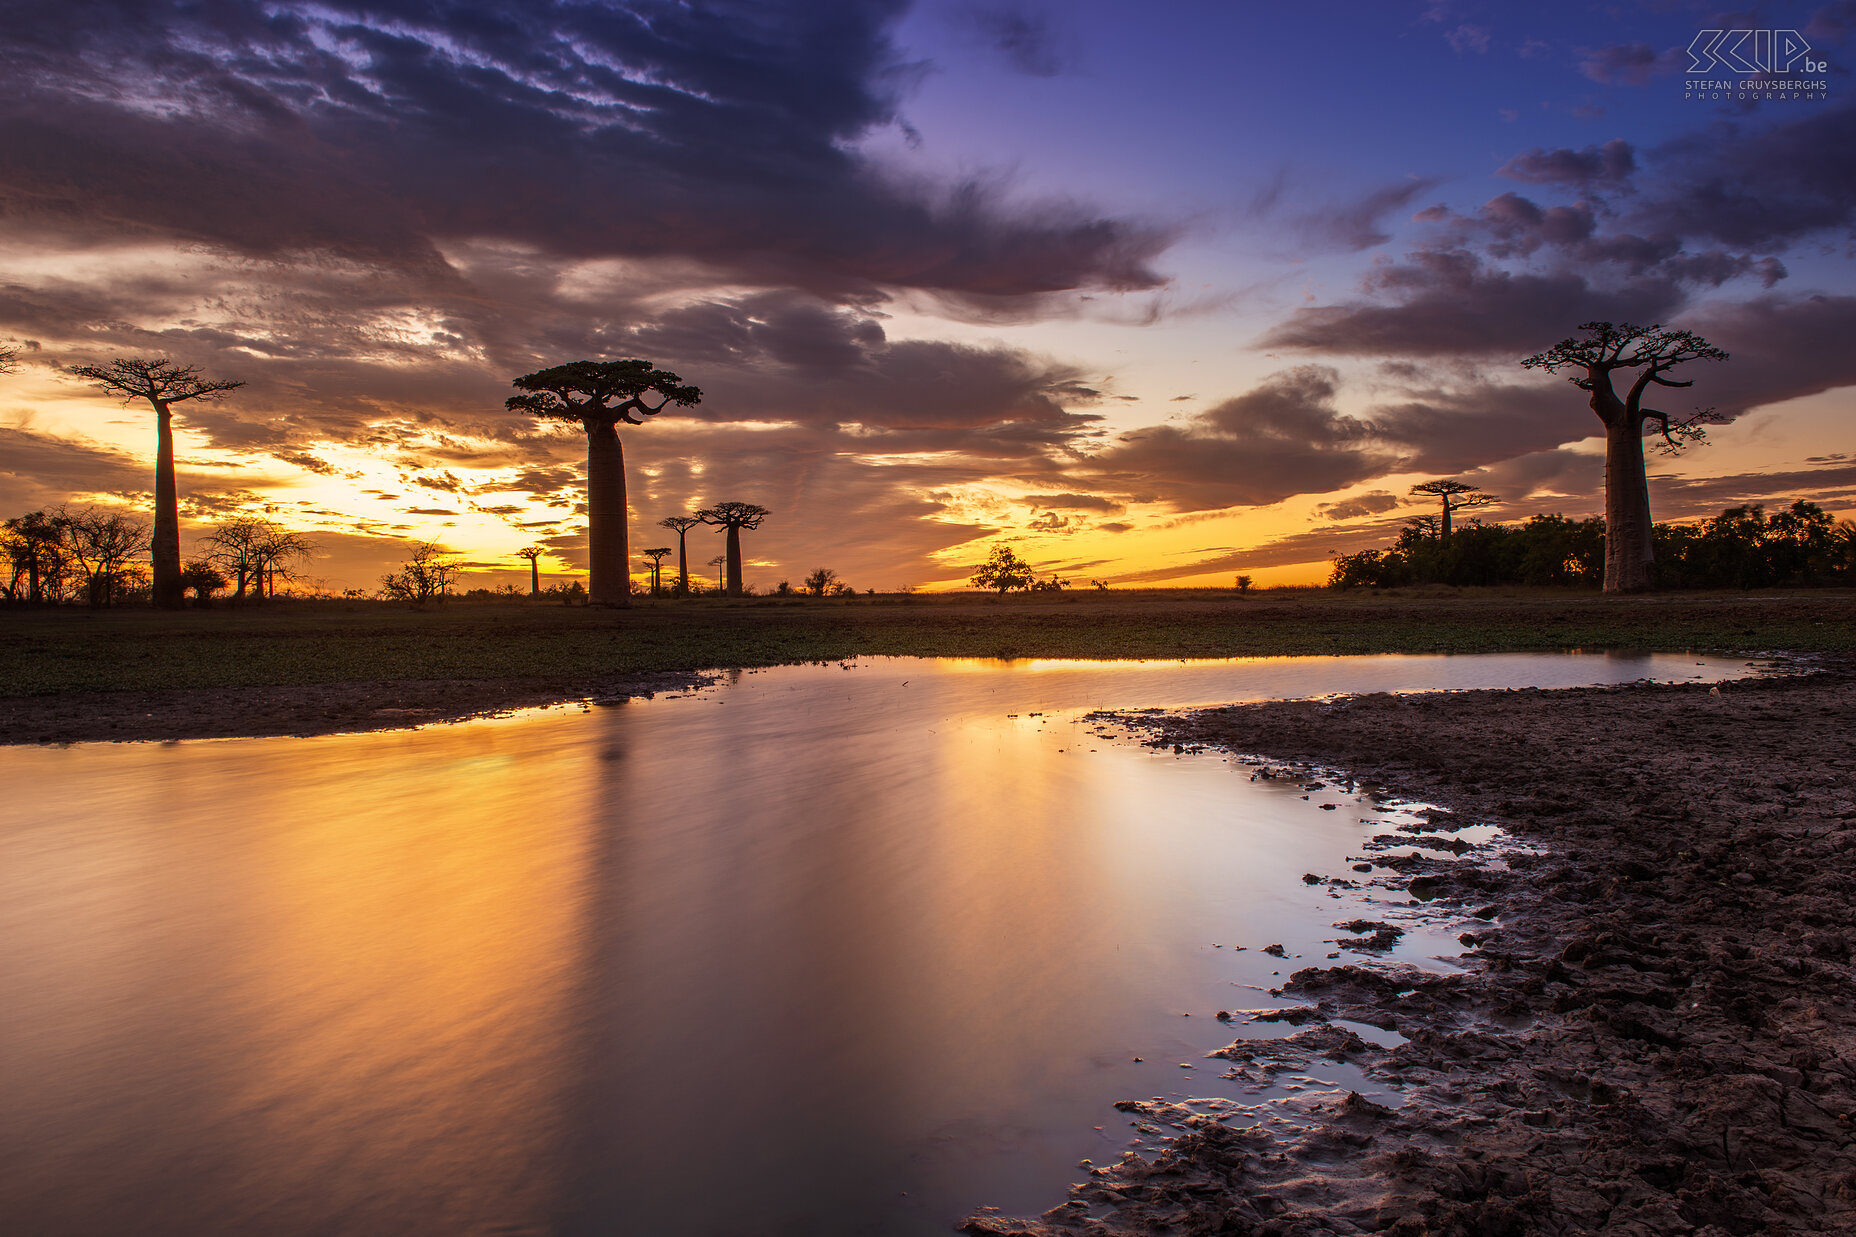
1003,570
718,562
1453,497
103,542
202,579
821,580
257,551
734,517
657,567
533,553
36,547
163,384
681,525
1653,350
426,576
597,395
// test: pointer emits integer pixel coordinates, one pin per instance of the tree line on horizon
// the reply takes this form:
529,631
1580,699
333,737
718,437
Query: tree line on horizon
1742,548
598,396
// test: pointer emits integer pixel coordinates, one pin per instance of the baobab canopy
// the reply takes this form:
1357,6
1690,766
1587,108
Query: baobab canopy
587,392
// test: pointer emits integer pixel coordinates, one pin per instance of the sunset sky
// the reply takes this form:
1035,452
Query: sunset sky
1157,293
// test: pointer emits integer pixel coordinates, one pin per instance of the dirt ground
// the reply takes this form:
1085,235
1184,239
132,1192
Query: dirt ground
1656,1033
327,708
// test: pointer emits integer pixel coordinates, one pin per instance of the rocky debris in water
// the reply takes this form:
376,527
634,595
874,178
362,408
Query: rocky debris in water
1648,1044
1373,935
1275,951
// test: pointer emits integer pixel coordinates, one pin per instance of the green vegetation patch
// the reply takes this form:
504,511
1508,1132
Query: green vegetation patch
284,644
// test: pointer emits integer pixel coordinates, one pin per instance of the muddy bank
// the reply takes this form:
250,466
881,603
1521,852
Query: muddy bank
331,708
1656,1033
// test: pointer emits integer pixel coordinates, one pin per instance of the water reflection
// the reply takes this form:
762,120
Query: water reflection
826,951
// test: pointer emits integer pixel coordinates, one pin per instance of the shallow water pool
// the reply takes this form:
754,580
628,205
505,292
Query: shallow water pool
822,950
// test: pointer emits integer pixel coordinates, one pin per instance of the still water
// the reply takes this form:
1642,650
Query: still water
823,950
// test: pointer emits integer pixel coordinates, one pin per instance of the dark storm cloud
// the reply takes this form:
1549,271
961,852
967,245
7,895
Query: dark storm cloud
1677,498
381,131
1365,504
38,469
1448,431
783,356
1611,163
1452,302
1778,348
1629,64
1074,502
1282,438
1753,187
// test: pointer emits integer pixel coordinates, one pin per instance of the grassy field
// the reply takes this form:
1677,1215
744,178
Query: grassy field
295,643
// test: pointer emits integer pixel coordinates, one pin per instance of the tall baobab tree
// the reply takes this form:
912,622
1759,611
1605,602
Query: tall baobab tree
734,517
656,555
597,395
681,525
1453,496
163,384
531,553
1654,351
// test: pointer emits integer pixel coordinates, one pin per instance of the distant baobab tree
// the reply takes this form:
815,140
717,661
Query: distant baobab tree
597,395
1654,350
657,567
163,384
531,553
681,525
717,562
1453,496
256,551
734,517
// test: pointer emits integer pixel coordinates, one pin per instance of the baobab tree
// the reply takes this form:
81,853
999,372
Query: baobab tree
597,395
532,553
734,517
656,556
1453,496
256,551
1653,350
163,384
681,525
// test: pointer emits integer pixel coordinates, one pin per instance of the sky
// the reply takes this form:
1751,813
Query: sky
1154,294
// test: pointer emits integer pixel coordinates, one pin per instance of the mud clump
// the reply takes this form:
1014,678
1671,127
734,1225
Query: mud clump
1659,1037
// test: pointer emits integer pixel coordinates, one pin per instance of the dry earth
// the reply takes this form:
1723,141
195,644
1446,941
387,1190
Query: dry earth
323,708
1657,1030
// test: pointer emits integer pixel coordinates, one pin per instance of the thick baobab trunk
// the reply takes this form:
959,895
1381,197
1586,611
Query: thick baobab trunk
608,553
534,579
1443,522
164,543
683,563
1628,555
734,560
